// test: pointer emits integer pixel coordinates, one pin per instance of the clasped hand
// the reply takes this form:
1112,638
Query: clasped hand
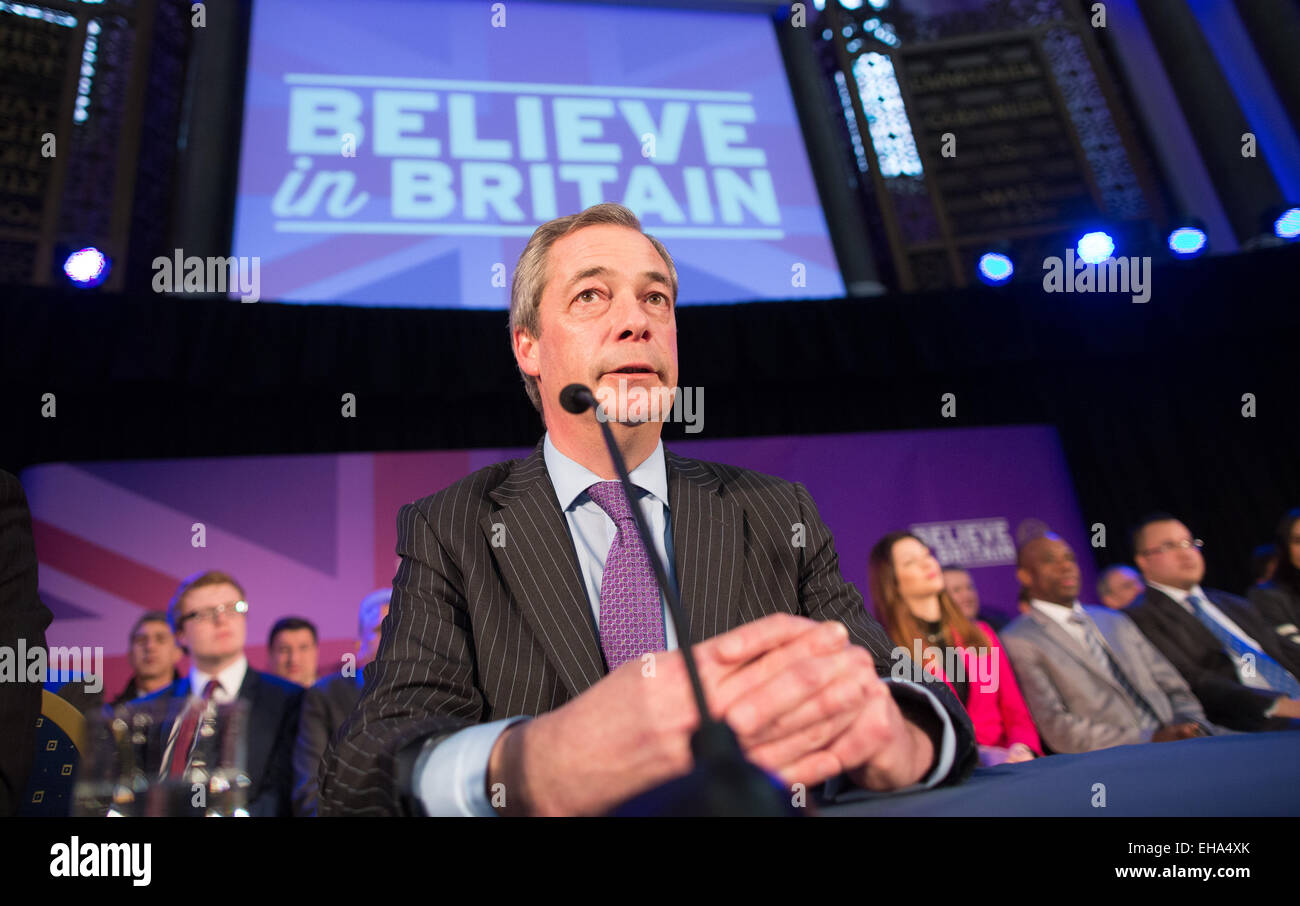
805,704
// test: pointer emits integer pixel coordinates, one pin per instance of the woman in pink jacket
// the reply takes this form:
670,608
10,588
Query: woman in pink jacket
920,616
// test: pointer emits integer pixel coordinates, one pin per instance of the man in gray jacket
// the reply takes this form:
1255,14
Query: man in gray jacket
1089,676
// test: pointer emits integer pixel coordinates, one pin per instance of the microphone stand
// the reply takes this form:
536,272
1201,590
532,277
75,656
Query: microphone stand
723,782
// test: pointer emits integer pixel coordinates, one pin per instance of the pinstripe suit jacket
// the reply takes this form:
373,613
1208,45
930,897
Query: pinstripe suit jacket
478,631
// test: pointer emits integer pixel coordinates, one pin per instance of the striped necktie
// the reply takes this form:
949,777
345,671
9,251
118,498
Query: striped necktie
1102,657
1273,673
188,731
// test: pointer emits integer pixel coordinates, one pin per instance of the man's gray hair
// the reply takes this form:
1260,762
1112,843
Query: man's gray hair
531,272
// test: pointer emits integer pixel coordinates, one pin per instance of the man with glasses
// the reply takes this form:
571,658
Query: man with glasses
208,614
1231,660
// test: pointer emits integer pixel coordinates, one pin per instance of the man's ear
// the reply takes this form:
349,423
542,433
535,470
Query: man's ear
527,352
1023,577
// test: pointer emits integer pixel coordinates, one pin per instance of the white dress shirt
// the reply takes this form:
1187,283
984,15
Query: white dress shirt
230,678
1062,615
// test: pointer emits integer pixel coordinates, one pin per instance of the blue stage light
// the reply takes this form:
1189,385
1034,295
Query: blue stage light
87,267
1287,225
995,268
1095,247
1187,241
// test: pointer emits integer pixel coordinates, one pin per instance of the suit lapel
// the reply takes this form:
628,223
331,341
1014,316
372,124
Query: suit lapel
708,545
538,562
1066,642
1181,622
248,688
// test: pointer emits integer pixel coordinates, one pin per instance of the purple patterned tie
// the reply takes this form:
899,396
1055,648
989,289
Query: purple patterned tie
631,615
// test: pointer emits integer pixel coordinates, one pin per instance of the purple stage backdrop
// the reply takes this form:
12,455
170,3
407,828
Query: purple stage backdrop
312,535
401,152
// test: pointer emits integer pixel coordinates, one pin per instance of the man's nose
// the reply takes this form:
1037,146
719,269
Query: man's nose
631,319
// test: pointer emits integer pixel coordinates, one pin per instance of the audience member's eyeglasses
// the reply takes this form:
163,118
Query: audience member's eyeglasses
210,613
1174,545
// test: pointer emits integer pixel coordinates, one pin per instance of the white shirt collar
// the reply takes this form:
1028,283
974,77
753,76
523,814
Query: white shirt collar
231,679
1180,595
1056,611
571,479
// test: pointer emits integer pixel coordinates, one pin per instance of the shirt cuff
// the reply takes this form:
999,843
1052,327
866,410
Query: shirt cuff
450,774
947,746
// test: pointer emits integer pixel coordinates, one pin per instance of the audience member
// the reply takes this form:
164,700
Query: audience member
1242,672
1263,563
1118,585
1277,599
961,588
153,657
207,613
907,587
329,702
293,650
1091,678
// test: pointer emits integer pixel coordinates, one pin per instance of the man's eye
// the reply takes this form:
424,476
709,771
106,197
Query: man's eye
663,300
583,296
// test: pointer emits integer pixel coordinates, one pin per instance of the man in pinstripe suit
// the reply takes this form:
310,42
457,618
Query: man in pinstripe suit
493,690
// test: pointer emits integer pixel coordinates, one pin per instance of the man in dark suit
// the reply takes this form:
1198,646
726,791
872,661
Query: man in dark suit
527,665
1232,660
207,613
22,617
329,702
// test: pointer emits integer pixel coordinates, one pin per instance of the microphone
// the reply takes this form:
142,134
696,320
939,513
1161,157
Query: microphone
723,782
576,398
